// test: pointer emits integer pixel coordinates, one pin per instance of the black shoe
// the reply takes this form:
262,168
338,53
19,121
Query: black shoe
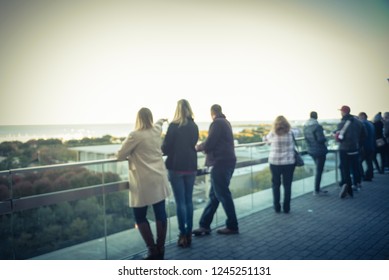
201,231
227,231
343,191
320,193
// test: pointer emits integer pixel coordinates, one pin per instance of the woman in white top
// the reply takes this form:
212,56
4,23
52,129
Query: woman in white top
282,161
147,179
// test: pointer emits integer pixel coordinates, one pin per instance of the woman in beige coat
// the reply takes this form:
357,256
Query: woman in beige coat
147,179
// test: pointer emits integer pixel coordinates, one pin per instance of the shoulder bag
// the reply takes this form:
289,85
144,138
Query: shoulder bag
298,159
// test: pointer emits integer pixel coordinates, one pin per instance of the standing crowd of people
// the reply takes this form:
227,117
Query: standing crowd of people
150,176
360,141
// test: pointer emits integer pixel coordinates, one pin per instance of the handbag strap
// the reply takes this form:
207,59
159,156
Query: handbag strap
294,140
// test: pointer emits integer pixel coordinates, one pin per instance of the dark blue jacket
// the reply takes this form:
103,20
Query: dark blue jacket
369,143
219,145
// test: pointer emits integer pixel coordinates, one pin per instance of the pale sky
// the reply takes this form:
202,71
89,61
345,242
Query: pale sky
77,62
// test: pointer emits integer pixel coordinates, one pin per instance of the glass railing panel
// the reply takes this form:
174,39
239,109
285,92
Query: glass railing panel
123,239
67,231
57,209
331,171
262,196
6,241
200,199
117,216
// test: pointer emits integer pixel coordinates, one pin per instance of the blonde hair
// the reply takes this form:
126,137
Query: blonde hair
144,119
183,112
281,126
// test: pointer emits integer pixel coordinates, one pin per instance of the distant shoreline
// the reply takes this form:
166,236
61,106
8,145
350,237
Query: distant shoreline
25,133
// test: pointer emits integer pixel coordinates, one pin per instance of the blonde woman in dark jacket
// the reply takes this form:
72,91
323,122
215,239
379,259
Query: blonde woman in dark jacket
180,147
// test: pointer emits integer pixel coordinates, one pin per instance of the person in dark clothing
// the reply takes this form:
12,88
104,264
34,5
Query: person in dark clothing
349,134
317,149
368,148
220,156
385,121
180,147
380,142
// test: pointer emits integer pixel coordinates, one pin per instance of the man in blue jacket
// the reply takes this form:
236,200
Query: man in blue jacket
317,149
220,156
368,148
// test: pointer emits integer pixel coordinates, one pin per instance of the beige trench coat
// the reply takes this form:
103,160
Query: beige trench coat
147,172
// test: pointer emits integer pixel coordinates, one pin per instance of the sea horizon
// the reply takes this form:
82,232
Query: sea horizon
24,133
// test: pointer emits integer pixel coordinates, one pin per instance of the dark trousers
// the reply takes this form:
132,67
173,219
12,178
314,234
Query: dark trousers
159,212
220,193
284,174
379,151
349,162
319,162
367,157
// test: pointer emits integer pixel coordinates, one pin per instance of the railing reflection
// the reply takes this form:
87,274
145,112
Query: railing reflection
80,210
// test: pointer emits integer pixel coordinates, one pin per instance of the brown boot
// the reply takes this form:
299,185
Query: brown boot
182,241
147,235
161,237
189,239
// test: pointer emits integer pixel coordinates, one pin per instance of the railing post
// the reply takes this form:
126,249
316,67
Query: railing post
11,198
336,167
105,213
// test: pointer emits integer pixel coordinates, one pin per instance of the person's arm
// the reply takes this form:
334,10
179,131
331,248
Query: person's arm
159,124
214,135
319,135
128,147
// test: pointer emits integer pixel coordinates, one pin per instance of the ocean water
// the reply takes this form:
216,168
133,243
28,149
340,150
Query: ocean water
66,132
24,133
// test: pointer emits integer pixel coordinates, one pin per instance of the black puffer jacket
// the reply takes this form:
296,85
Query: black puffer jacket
314,136
354,135
180,146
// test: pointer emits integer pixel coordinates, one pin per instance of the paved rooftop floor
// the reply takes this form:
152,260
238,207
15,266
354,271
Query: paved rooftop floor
317,228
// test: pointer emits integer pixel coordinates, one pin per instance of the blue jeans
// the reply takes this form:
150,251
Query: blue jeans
286,173
159,212
220,192
182,185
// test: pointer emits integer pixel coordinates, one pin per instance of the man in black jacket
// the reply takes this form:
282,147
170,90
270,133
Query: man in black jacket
220,156
350,135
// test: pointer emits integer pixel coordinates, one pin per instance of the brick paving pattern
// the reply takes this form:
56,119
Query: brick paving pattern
317,228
